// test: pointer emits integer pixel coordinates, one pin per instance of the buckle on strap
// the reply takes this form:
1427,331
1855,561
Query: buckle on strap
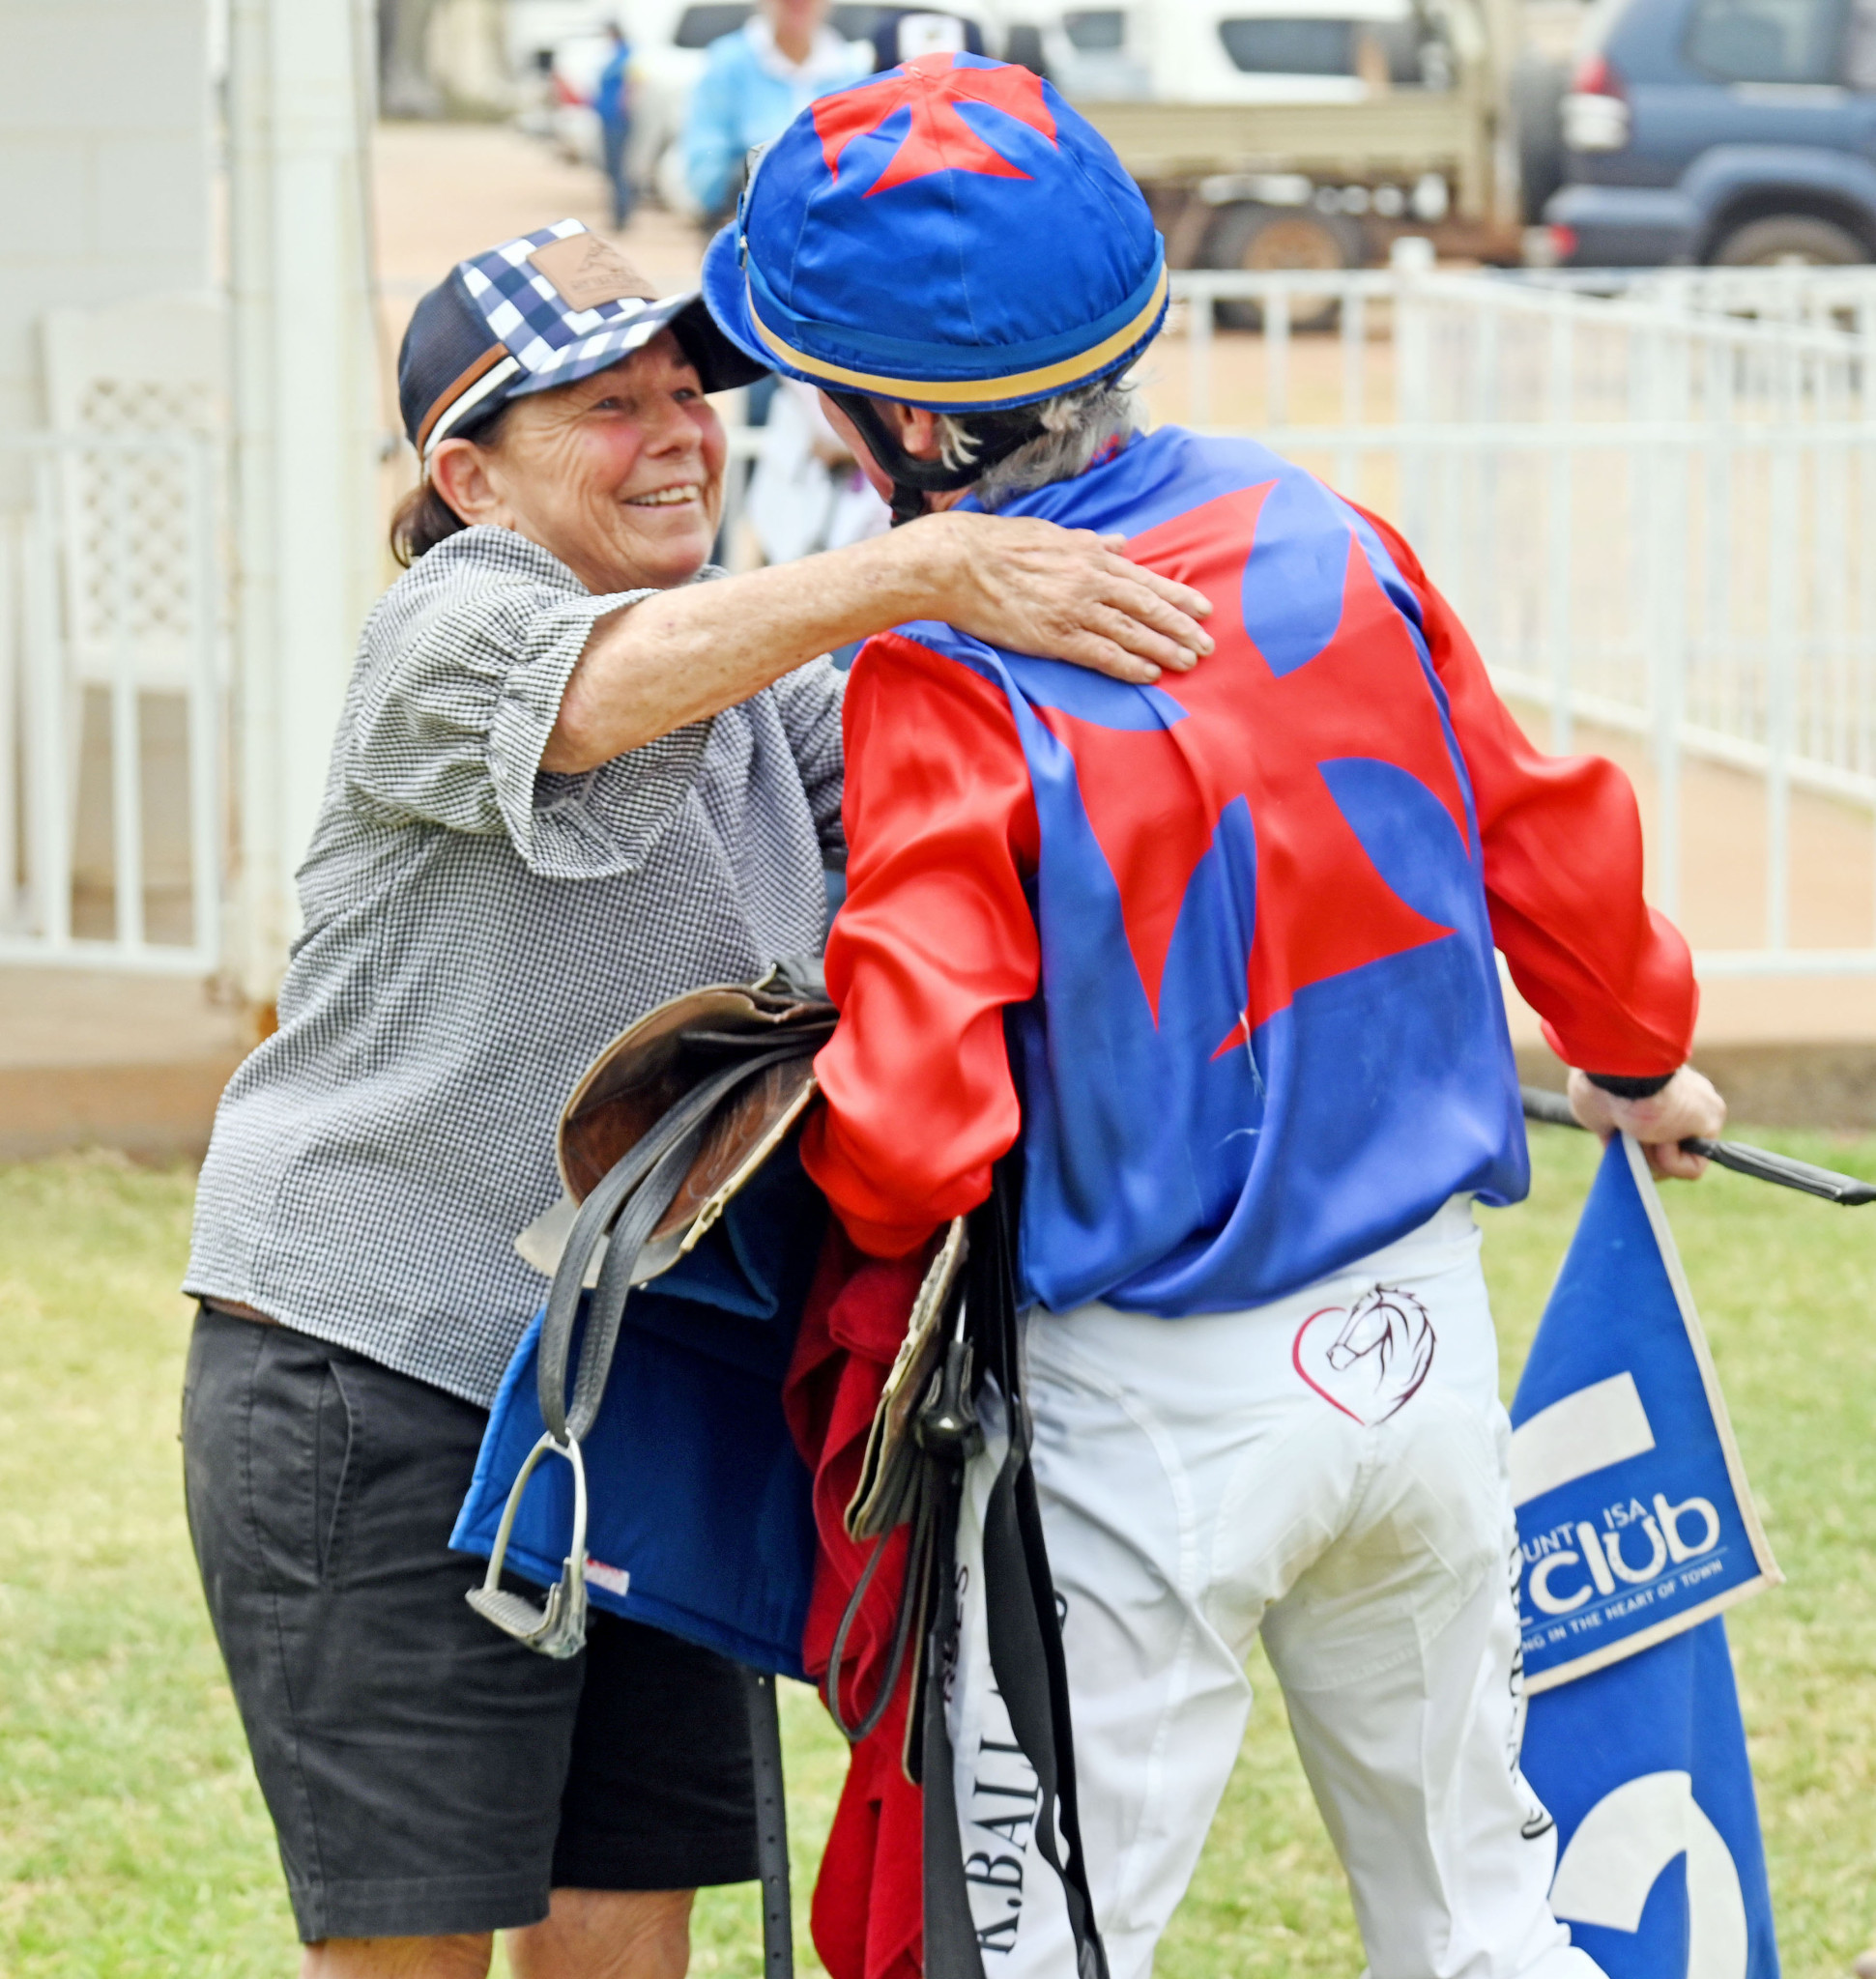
559,1627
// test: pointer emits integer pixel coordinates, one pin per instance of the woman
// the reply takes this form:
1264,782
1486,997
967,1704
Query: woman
568,783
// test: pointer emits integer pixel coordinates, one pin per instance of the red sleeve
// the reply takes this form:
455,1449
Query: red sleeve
1611,979
934,939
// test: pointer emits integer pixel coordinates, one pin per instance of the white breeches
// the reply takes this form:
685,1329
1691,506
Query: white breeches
1327,1470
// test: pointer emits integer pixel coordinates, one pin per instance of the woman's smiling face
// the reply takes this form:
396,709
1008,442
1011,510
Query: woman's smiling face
619,476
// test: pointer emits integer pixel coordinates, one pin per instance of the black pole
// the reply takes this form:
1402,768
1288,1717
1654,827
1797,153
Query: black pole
771,1827
1761,1164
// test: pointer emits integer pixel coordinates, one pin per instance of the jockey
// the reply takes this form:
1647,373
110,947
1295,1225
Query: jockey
1220,950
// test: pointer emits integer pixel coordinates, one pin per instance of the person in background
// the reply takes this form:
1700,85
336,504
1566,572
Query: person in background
613,100
754,82
1217,958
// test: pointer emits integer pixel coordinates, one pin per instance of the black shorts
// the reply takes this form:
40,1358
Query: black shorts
425,1773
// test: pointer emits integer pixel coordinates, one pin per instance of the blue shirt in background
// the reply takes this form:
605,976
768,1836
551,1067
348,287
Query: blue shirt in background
749,94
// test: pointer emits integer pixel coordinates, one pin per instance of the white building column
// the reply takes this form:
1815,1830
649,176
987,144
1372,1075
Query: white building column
307,428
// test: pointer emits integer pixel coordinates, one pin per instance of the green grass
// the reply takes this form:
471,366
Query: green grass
132,1841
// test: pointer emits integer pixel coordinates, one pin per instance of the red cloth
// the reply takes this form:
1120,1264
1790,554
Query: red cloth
868,1915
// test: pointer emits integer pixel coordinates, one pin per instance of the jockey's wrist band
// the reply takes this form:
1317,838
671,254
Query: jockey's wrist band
1613,1082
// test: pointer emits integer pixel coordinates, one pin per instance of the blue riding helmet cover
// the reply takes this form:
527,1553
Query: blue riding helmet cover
950,235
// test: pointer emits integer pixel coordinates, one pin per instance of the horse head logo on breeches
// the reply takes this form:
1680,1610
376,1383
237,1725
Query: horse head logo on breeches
1369,1358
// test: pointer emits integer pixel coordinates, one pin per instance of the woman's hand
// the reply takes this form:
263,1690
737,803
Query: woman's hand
1066,594
1687,1105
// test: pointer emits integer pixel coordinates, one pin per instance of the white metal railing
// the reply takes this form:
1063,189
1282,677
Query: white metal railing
1843,297
112,836
1654,508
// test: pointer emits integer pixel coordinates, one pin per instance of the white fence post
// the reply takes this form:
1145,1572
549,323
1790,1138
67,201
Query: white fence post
307,429
1413,375
210,839
1353,324
1198,350
1276,357
1562,491
1782,640
49,746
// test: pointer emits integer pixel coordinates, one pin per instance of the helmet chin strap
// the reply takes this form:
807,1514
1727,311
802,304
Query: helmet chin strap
912,480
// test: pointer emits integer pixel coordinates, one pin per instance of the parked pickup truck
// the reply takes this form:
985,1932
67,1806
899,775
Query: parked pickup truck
1306,133
1737,132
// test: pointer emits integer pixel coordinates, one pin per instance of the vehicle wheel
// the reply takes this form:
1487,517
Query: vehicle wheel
1269,238
1537,91
1790,240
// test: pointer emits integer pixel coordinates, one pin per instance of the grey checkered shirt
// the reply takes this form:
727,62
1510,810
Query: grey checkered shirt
476,930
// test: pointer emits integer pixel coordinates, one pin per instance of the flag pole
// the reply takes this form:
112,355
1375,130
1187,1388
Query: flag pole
1742,1159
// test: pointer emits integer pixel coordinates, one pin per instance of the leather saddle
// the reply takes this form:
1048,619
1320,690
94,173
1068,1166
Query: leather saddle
662,1129
649,1071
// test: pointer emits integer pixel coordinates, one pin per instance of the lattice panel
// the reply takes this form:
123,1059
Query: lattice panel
132,519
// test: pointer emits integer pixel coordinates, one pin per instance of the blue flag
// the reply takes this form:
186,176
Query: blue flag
1636,1529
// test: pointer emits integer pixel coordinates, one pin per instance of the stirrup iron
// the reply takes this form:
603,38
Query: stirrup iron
559,1627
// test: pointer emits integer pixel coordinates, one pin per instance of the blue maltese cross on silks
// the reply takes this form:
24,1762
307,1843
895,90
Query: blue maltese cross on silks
1260,905
940,139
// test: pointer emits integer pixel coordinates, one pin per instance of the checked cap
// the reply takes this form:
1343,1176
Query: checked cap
541,310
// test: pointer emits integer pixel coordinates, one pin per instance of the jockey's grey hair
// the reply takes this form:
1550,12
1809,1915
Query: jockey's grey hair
1075,427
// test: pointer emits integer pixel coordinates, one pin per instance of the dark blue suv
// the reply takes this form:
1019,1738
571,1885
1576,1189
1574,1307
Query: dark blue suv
1739,131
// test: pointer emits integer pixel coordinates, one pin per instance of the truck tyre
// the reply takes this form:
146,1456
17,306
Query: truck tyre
1790,239
1282,237
1537,92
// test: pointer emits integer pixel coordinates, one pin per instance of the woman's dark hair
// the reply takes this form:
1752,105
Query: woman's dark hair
422,519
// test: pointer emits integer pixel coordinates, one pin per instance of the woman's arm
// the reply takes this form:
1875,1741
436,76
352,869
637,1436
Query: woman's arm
1014,581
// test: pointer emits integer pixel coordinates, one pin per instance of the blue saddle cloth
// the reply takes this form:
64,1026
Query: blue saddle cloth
699,1517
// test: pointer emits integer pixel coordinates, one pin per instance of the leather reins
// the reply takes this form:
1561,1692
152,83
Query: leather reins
1024,1625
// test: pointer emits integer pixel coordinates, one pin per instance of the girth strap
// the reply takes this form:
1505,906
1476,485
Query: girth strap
771,1825
1024,1625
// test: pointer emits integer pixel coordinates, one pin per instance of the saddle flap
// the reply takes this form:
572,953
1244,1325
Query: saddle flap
649,1067
885,1495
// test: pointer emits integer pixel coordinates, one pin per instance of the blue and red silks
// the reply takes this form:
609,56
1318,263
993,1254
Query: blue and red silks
1229,936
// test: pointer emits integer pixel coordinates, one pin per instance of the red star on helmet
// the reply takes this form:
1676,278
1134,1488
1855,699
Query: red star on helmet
940,140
